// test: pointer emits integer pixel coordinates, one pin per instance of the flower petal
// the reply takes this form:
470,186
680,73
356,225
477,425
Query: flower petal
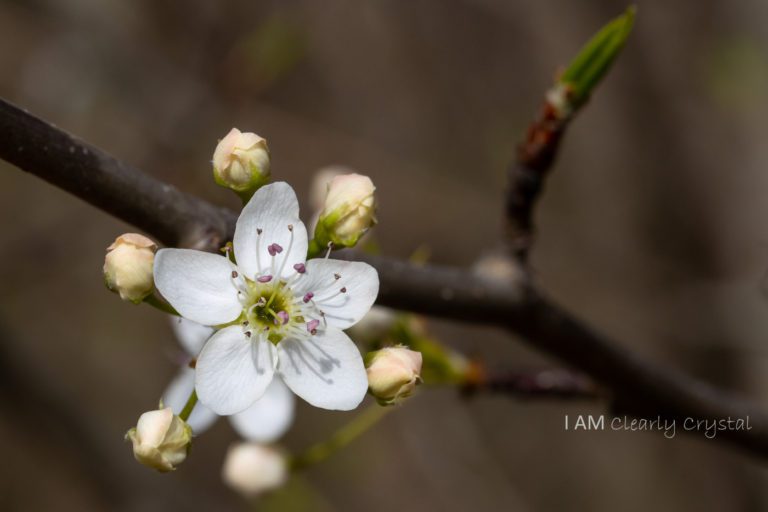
326,369
267,419
176,396
233,371
271,209
342,310
191,335
198,284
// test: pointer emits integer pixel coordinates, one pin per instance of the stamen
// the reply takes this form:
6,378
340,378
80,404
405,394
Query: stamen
258,251
290,245
300,268
312,326
308,297
283,316
274,249
239,285
264,279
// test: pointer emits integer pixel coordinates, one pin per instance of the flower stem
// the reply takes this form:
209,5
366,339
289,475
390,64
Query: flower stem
341,438
154,301
189,406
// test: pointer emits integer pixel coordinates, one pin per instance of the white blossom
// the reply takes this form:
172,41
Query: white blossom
276,313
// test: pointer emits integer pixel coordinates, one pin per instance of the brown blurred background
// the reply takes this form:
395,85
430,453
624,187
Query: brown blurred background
653,228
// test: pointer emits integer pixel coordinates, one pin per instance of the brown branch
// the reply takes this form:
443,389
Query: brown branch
638,386
525,177
554,383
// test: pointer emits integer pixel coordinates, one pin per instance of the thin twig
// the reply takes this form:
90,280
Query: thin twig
638,386
555,383
525,177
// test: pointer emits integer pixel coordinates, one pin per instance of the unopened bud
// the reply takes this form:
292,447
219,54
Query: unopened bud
253,468
241,162
348,212
160,439
128,266
393,373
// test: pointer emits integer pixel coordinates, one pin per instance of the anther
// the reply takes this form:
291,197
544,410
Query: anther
344,289
261,302
283,316
312,326
234,274
300,268
308,297
264,279
247,334
274,249
245,324
258,231
337,276
290,227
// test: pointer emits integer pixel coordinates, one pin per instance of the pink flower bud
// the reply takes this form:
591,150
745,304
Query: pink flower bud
393,373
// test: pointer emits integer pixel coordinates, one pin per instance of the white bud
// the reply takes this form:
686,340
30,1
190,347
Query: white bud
393,373
128,266
241,162
349,210
318,188
253,468
160,439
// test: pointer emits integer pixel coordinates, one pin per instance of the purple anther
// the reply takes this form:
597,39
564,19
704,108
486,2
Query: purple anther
283,316
308,297
274,249
234,274
344,290
264,279
312,326
258,231
300,268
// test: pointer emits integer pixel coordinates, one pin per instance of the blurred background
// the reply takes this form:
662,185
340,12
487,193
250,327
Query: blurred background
653,229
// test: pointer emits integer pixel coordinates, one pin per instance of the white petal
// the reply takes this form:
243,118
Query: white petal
267,419
176,396
326,370
153,425
191,335
341,310
198,284
233,371
272,209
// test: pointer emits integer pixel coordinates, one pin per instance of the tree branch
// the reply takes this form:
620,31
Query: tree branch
638,386
525,177
554,383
